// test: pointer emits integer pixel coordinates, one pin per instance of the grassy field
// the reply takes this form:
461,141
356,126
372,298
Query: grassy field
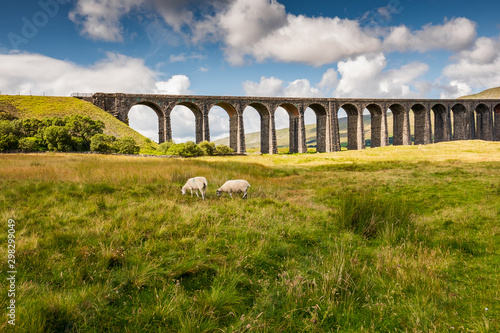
394,239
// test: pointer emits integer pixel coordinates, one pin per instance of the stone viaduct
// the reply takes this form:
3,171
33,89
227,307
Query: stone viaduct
435,120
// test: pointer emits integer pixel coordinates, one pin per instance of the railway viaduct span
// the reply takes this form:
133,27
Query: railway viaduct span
435,120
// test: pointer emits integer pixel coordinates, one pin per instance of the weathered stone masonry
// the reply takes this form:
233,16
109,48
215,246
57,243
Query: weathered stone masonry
452,119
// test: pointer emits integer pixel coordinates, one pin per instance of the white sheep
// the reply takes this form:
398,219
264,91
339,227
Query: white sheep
196,184
234,186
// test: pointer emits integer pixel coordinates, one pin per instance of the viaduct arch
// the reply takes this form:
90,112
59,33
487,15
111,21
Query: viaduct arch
454,119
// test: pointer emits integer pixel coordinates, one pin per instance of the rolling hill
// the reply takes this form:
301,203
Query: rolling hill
43,106
488,93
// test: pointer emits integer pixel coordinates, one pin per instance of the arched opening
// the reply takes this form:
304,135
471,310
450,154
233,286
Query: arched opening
484,123
147,119
310,130
442,123
496,120
321,122
222,119
218,121
460,127
422,125
354,134
367,130
287,116
342,128
376,134
257,119
186,121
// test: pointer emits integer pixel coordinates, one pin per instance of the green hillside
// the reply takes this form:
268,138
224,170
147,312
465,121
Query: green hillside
43,106
252,140
486,94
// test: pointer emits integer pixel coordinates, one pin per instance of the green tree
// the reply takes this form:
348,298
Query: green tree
8,135
126,145
103,143
52,121
31,144
8,142
83,127
31,127
58,138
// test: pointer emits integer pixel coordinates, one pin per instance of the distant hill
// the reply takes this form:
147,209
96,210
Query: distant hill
486,94
44,106
252,140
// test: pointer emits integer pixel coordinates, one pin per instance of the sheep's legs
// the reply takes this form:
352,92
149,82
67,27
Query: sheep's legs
245,195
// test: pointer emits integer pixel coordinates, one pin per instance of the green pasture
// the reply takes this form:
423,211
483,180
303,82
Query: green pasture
393,239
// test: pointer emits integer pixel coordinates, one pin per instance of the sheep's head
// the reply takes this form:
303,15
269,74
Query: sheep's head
218,193
183,190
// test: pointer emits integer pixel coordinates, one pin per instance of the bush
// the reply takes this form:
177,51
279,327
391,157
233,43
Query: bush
102,143
126,145
192,149
208,148
165,146
177,149
58,138
223,150
188,149
6,116
31,144
8,142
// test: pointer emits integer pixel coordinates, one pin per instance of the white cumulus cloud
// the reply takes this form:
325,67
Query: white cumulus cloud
473,70
24,72
315,41
271,86
177,85
100,19
454,35
366,76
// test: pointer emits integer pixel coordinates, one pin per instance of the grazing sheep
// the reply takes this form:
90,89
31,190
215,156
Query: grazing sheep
196,184
233,186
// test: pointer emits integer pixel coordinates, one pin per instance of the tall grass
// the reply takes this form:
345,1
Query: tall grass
405,241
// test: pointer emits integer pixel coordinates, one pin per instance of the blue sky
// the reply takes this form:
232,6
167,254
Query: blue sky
359,48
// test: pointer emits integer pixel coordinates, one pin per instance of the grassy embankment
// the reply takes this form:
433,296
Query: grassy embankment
399,239
44,106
